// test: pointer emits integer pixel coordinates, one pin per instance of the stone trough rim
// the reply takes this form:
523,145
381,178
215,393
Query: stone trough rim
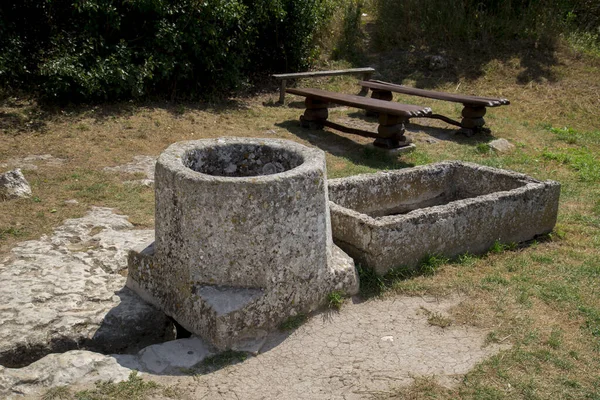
172,159
385,221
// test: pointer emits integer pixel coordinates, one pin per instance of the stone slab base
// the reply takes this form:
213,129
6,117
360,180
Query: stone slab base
226,316
399,150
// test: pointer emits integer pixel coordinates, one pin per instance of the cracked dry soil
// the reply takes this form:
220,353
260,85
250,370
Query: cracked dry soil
366,349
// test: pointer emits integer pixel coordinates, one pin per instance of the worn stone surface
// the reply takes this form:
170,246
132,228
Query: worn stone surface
74,367
243,238
366,348
501,145
66,291
13,185
31,162
175,357
392,219
139,165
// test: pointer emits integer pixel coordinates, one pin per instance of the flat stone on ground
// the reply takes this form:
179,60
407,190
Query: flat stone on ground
66,291
139,165
501,145
31,162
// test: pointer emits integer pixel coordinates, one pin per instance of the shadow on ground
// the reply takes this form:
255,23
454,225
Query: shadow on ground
341,146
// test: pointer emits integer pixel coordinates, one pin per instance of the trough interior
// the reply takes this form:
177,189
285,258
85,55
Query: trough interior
242,160
379,195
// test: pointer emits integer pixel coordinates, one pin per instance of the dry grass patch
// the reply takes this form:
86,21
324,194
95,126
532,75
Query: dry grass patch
543,298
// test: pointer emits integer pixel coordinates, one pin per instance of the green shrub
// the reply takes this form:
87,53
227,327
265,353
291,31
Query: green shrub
81,50
477,22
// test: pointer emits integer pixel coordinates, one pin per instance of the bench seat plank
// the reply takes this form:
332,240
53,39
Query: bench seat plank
478,101
380,106
392,116
312,74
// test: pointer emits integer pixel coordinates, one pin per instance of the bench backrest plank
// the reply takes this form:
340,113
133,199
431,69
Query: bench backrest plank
324,73
381,106
457,98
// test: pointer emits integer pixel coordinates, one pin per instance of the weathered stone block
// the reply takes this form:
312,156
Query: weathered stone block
243,238
391,219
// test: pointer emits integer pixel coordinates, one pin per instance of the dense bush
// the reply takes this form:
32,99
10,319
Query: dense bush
477,22
80,50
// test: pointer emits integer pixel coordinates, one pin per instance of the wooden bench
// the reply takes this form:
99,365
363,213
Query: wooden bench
392,116
365,72
473,111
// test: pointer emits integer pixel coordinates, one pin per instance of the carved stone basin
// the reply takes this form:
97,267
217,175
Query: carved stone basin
243,238
394,219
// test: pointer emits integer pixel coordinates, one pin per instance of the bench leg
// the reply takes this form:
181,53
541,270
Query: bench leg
365,90
282,91
391,131
379,95
316,112
472,119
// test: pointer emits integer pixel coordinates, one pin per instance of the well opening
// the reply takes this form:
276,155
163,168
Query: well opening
242,160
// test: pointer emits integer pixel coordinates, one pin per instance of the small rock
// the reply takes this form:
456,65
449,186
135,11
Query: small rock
71,202
13,185
271,132
437,62
171,357
501,145
431,140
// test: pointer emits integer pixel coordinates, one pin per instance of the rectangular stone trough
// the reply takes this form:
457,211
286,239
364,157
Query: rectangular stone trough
393,219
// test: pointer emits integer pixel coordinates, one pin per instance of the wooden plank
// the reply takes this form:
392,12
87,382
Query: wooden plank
312,74
381,106
457,98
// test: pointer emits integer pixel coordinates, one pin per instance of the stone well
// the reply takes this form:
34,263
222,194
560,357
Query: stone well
243,238
393,219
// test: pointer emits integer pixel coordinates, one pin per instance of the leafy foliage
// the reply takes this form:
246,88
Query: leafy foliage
80,50
478,22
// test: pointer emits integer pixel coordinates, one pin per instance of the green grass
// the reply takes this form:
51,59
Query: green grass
335,300
222,360
11,231
293,322
58,393
135,388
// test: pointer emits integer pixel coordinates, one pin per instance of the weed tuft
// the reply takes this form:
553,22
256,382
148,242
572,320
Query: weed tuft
437,319
223,359
293,322
495,279
57,393
483,148
134,388
499,247
430,264
11,231
335,300
555,339
372,284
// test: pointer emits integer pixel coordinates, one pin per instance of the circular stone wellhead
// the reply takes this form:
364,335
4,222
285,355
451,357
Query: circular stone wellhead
243,238
243,212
